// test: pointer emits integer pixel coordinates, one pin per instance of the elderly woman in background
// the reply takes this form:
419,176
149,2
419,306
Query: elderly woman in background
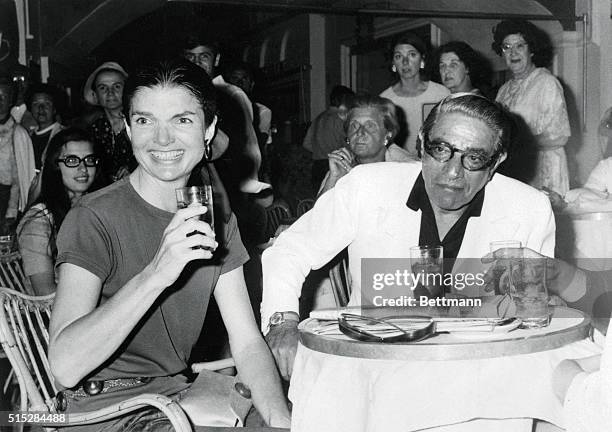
414,95
460,68
132,297
71,170
104,87
370,126
536,96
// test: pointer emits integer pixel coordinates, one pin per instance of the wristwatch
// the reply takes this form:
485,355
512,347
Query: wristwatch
279,318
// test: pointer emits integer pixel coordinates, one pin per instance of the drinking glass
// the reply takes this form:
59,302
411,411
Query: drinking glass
427,261
502,284
6,244
196,196
528,277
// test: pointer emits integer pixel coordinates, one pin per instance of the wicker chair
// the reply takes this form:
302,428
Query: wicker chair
12,275
340,279
25,339
275,215
304,205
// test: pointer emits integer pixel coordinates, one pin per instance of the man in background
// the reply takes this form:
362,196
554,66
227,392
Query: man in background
326,133
236,120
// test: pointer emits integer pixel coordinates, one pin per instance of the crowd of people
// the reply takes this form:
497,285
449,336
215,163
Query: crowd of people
96,218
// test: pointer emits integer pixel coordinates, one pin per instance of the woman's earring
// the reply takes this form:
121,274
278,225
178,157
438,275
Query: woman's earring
393,68
346,140
207,151
422,64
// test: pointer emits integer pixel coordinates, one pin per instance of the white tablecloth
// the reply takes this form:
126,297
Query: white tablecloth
335,393
586,239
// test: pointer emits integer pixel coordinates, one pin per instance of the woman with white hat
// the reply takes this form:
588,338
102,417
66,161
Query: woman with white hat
104,88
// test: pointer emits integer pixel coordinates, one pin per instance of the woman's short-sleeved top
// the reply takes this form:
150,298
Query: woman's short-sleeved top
114,233
415,110
36,237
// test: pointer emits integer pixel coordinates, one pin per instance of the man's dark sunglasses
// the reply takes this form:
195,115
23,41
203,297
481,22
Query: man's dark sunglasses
402,329
471,160
73,161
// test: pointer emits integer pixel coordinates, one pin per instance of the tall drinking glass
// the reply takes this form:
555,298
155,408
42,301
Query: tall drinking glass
528,276
501,273
191,196
426,264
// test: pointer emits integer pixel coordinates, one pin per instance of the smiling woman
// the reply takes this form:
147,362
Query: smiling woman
71,170
121,286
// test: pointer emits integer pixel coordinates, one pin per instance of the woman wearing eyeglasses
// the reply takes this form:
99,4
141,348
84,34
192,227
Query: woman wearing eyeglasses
536,96
71,170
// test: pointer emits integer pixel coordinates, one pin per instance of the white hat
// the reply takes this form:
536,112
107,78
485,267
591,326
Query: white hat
88,94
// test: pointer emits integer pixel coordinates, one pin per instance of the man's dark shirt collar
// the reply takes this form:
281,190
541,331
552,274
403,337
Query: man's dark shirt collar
428,235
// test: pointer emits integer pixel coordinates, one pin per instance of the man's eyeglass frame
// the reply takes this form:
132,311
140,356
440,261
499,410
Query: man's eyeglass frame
428,147
89,161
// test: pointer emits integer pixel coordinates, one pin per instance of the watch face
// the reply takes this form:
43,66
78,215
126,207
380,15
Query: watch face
276,318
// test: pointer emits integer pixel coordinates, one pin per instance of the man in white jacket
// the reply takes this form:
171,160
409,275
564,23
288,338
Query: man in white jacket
380,210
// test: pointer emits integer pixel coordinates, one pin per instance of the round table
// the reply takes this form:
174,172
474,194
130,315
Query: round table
449,382
567,326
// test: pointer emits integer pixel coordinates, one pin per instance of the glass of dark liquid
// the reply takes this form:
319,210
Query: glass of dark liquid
197,196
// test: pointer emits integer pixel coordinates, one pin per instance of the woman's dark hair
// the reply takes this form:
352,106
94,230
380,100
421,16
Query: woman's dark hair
409,39
53,193
418,43
478,66
173,73
538,41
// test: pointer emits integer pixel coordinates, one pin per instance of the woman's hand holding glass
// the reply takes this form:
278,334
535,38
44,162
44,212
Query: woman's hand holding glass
186,238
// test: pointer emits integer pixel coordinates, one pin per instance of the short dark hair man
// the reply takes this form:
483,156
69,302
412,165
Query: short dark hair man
42,101
236,118
453,199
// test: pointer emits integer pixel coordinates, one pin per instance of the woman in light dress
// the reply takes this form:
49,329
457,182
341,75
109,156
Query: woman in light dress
536,96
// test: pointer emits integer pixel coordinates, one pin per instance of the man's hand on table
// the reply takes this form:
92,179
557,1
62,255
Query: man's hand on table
282,340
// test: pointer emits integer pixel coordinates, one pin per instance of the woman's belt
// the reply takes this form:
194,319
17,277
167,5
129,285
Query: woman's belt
94,387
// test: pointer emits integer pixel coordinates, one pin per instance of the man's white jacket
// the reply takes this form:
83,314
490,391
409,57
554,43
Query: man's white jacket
367,212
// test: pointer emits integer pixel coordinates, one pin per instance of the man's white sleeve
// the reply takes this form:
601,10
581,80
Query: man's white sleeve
311,242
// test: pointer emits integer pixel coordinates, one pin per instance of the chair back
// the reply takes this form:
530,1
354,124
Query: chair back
340,279
12,275
24,322
275,215
304,205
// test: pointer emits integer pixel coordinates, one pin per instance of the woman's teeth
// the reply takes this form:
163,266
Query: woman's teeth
167,155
